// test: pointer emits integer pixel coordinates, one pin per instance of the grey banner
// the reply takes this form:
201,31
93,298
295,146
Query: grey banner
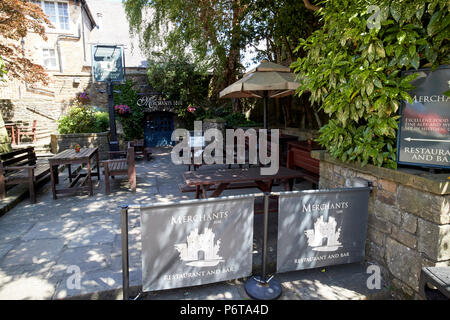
319,228
196,242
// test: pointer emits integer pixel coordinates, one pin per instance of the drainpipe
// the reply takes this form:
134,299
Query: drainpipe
58,47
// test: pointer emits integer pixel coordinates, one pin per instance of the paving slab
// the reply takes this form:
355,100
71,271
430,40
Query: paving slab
33,252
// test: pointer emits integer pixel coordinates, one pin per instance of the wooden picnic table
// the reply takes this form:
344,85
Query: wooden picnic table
222,179
69,157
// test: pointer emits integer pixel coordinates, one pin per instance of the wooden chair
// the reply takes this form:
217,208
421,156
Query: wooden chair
27,131
21,167
140,150
117,167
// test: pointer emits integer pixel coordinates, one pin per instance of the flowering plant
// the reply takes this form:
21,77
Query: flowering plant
122,109
83,97
191,108
77,147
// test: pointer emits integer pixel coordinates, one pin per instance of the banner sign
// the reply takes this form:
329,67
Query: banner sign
196,242
424,132
156,102
107,63
318,228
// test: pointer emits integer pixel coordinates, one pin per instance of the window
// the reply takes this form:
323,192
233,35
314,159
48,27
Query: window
49,58
57,12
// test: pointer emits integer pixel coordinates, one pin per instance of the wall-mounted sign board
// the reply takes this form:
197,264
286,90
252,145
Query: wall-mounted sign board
107,63
318,228
156,102
424,133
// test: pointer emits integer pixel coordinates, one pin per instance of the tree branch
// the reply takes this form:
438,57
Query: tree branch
310,6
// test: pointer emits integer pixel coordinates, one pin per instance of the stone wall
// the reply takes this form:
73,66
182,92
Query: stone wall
409,219
61,142
20,102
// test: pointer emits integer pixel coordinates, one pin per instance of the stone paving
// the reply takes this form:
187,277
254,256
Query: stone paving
43,245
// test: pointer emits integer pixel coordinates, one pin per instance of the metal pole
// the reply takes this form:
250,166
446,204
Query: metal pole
258,287
266,97
113,144
125,261
266,227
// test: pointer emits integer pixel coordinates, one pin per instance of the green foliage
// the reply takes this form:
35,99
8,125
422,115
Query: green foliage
83,119
353,71
238,119
179,79
132,123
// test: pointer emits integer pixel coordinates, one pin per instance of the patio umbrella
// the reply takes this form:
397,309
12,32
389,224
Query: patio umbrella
267,80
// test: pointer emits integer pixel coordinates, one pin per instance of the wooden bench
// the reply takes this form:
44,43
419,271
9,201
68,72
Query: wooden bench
299,157
117,167
21,167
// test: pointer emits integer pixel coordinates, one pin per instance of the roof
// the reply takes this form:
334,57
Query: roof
88,12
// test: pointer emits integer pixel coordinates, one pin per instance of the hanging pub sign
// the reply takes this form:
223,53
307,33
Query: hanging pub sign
196,242
156,102
424,132
318,228
107,63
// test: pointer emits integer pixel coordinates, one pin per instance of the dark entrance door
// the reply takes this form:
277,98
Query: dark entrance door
158,129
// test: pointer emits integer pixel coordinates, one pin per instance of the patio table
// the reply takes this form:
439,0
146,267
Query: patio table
69,157
224,178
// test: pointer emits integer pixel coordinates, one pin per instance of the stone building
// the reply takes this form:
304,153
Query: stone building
66,56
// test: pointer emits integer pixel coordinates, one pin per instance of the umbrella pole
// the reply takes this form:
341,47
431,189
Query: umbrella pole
266,98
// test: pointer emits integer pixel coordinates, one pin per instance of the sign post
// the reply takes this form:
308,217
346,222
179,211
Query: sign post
108,66
424,132
259,287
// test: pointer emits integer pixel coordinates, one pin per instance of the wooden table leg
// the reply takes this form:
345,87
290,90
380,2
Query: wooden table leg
264,187
197,192
98,165
52,175
219,190
69,167
89,173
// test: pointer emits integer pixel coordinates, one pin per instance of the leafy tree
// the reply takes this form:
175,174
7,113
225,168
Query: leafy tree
353,70
210,30
17,18
179,79
279,24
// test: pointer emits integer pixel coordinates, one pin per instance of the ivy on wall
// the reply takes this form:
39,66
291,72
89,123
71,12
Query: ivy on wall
353,70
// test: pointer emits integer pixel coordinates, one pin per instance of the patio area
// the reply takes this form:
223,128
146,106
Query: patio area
42,244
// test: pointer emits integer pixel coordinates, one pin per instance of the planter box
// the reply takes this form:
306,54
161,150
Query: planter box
61,142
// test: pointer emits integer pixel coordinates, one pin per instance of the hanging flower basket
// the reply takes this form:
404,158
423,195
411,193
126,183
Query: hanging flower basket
122,109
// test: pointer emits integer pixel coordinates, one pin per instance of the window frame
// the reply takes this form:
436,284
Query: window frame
49,68
58,27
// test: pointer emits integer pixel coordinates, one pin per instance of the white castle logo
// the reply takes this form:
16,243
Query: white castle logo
324,231
200,249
